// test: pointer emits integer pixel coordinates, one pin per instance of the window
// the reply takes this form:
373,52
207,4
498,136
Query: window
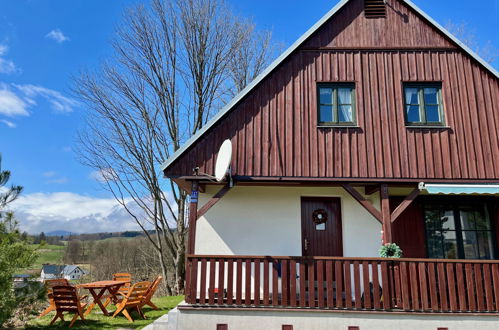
336,104
423,104
460,230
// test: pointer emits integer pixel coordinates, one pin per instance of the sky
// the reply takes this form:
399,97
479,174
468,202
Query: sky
44,43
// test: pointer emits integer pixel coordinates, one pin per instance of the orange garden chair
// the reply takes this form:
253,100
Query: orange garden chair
66,299
50,285
133,299
150,293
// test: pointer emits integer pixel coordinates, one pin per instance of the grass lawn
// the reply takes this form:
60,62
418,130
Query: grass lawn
97,320
48,254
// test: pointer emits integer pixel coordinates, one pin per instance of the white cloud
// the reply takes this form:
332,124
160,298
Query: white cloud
49,174
11,104
57,36
6,66
8,123
77,213
103,175
59,102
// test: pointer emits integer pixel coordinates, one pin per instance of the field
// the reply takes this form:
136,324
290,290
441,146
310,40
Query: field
48,254
97,320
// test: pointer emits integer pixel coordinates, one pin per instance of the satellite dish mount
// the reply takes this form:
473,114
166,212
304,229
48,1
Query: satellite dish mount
222,165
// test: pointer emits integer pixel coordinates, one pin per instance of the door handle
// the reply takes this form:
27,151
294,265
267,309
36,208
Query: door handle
306,244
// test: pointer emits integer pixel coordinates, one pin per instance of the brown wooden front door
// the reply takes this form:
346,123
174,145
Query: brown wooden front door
321,239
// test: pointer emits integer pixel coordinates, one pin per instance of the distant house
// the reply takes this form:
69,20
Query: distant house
20,280
69,272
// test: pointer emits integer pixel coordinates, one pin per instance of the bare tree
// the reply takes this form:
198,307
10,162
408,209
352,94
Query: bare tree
468,36
170,71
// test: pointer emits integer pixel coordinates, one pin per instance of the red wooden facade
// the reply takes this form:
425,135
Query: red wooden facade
274,128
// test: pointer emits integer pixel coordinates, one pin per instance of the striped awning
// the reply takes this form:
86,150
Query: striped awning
460,189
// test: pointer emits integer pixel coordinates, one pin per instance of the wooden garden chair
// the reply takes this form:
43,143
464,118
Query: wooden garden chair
50,285
133,299
123,290
150,293
66,300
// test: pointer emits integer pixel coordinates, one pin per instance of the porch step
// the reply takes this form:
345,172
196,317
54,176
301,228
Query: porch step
159,324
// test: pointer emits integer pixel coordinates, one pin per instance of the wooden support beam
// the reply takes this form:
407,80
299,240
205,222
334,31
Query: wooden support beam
404,204
364,202
385,212
369,190
213,201
193,216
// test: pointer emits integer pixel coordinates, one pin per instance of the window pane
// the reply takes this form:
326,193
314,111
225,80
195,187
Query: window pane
448,220
432,219
450,244
485,244
432,114
470,245
431,96
344,95
326,114
345,113
434,241
481,220
326,96
467,219
413,114
411,96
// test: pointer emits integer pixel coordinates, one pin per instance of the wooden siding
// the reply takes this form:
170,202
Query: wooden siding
401,28
274,129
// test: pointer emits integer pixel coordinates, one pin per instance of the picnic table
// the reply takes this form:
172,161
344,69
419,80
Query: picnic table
102,286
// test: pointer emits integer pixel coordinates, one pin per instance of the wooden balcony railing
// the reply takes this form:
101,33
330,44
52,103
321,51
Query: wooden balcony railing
372,284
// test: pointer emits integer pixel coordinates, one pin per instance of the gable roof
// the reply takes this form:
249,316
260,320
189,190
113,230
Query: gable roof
52,269
294,47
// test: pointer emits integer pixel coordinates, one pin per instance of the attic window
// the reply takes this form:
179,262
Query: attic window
374,8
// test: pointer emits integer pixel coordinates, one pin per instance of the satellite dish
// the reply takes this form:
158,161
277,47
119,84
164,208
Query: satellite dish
222,167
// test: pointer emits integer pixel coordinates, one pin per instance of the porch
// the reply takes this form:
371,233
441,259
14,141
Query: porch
343,284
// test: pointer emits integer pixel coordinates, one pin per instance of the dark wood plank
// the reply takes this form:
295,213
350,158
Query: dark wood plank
385,282
215,199
339,283
404,283
348,285
247,282
362,201
239,281
211,287
275,283
266,283
202,285
414,281
404,204
495,279
194,279
292,283
366,281
451,285
479,287
285,283
376,286
432,283
423,286
320,284
487,284
442,287
311,285
256,288
356,284
470,285
230,281
461,289
303,284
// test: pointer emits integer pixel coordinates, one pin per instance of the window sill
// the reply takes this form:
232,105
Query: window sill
338,126
427,127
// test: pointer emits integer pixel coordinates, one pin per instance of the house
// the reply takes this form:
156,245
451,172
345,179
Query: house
69,272
377,126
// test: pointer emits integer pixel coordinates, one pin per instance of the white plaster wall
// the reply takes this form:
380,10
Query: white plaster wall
251,319
264,220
